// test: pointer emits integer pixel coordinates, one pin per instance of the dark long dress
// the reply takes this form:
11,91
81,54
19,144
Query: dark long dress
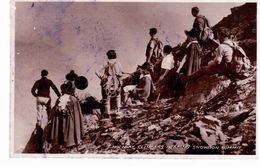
193,59
67,125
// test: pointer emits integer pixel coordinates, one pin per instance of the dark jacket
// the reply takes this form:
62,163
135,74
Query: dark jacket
43,88
199,24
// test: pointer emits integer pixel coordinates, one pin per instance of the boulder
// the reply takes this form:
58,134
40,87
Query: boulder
200,91
210,131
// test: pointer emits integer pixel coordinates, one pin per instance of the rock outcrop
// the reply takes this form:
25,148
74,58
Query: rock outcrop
195,94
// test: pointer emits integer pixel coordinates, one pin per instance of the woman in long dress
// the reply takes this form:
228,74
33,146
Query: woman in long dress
193,52
67,124
194,55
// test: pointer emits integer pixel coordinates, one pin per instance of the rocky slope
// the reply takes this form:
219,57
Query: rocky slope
214,115
219,118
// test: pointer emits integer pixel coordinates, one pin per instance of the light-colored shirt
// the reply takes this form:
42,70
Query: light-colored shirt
168,62
82,95
117,68
224,52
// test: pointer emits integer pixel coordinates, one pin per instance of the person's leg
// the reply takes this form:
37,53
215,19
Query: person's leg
107,105
208,70
106,102
39,117
125,98
126,93
118,102
196,75
148,59
48,109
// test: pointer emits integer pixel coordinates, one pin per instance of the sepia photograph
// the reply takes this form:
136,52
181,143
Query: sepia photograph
133,79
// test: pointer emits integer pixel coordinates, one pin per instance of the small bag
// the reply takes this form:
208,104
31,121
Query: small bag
158,49
207,32
111,83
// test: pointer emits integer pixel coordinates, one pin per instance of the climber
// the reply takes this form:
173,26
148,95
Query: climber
110,75
201,27
142,91
154,48
43,99
222,64
168,81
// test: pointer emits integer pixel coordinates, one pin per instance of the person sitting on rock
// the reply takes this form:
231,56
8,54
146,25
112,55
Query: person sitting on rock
142,91
223,56
167,81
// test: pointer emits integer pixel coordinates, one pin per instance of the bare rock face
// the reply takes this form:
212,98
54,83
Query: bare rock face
202,90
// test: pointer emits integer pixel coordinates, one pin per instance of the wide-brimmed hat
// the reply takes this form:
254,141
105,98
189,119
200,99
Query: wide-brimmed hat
71,76
191,33
81,83
66,88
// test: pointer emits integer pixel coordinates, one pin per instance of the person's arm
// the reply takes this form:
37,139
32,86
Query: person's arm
200,26
200,23
34,89
177,66
163,75
120,70
55,89
167,65
152,45
219,55
100,72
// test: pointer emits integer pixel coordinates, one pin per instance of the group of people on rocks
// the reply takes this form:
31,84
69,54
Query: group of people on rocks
164,74
65,121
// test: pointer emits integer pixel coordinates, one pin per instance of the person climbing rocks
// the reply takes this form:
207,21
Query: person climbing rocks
222,63
41,90
110,74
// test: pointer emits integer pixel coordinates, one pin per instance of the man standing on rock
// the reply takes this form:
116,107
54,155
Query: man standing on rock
43,100
153,47
201,26
110,74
